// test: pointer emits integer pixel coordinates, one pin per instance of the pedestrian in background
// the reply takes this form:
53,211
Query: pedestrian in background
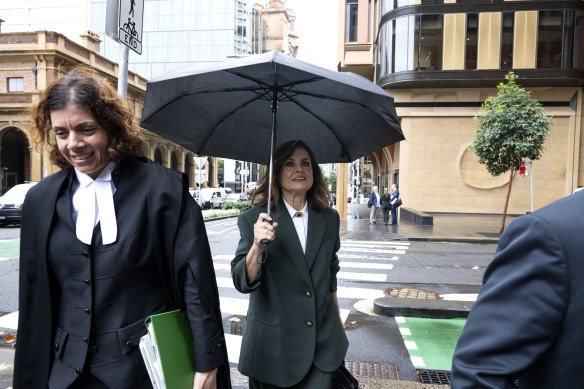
107,241
527,321
386,205
394,206
375,204
294,337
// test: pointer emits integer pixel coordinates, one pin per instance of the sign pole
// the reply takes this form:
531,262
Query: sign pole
531,178
123,71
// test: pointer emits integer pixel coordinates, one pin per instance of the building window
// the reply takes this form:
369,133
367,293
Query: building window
507,25
431,32
385,49
472,30
15,84
549,39
351,22
577,53
404,51
389,5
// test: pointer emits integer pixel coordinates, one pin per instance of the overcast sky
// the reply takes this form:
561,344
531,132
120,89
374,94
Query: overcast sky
316,25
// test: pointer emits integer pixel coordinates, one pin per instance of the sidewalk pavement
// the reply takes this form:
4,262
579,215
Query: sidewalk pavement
470,228
446,228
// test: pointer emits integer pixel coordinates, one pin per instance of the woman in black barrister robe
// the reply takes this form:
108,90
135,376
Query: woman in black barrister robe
107,241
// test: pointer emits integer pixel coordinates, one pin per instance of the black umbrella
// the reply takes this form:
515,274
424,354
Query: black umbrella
243,109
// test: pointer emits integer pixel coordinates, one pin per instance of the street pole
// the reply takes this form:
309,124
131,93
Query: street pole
531,179
123,71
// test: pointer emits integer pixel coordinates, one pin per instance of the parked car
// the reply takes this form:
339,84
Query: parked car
11,203
234,197
212,197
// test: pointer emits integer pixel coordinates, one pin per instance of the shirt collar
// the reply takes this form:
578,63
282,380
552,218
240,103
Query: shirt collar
292,211
105,175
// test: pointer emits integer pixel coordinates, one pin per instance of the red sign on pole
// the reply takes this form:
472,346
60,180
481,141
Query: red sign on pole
522,169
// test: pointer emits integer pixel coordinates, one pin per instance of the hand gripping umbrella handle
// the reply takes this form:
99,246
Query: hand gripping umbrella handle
266,242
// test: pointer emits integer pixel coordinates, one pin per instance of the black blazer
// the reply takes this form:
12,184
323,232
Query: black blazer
178,238
292,321
527,320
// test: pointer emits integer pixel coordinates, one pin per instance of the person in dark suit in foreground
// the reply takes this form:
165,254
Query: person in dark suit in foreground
527,321
107,241
293,337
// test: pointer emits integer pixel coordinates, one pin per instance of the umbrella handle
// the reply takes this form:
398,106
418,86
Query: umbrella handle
266,242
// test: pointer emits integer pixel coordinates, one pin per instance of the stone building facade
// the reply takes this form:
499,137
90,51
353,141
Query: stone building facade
441,59
29,62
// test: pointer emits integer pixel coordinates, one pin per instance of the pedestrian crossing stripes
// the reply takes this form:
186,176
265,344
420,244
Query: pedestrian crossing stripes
366,250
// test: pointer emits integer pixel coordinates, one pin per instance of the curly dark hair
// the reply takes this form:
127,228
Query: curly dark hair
317,195
83,88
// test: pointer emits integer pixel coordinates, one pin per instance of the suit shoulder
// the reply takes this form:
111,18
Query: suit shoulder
48,183
161,176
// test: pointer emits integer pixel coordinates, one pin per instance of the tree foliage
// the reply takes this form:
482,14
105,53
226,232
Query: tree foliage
512,128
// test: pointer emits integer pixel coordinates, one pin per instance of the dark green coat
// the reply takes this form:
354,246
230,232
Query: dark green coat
292,320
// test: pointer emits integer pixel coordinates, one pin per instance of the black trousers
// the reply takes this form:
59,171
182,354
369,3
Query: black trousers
385,215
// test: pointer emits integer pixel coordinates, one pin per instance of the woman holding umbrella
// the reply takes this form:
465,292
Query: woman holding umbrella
107,241
293,336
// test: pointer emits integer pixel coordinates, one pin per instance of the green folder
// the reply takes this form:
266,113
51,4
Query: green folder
172,339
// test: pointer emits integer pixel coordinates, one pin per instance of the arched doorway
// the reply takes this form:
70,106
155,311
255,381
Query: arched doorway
14,158
158,156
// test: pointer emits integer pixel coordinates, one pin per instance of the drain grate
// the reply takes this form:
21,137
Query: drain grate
440,377
386,371
413,293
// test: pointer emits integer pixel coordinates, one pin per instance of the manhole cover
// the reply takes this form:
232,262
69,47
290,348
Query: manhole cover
413,293
386,371
439,377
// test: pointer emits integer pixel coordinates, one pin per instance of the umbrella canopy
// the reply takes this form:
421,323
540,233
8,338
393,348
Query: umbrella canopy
232,109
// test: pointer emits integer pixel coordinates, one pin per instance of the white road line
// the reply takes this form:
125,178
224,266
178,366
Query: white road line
460,296
233,347
214,223
373,246
405,331
9,321
223,256
400,319
4,259
342,275
365,265
222,266
411,345
374,243
359,293
418,361
353,256
225,282
211,232
234,306
342,250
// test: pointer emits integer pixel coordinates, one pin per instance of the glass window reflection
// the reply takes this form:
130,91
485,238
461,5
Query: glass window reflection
549,39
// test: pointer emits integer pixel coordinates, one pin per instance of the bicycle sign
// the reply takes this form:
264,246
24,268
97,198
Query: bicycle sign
131,13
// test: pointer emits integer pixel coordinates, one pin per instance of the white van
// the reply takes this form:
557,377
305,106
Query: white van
212,197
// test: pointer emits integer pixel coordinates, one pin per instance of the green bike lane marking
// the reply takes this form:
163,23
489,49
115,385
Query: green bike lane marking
9,249
431,342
